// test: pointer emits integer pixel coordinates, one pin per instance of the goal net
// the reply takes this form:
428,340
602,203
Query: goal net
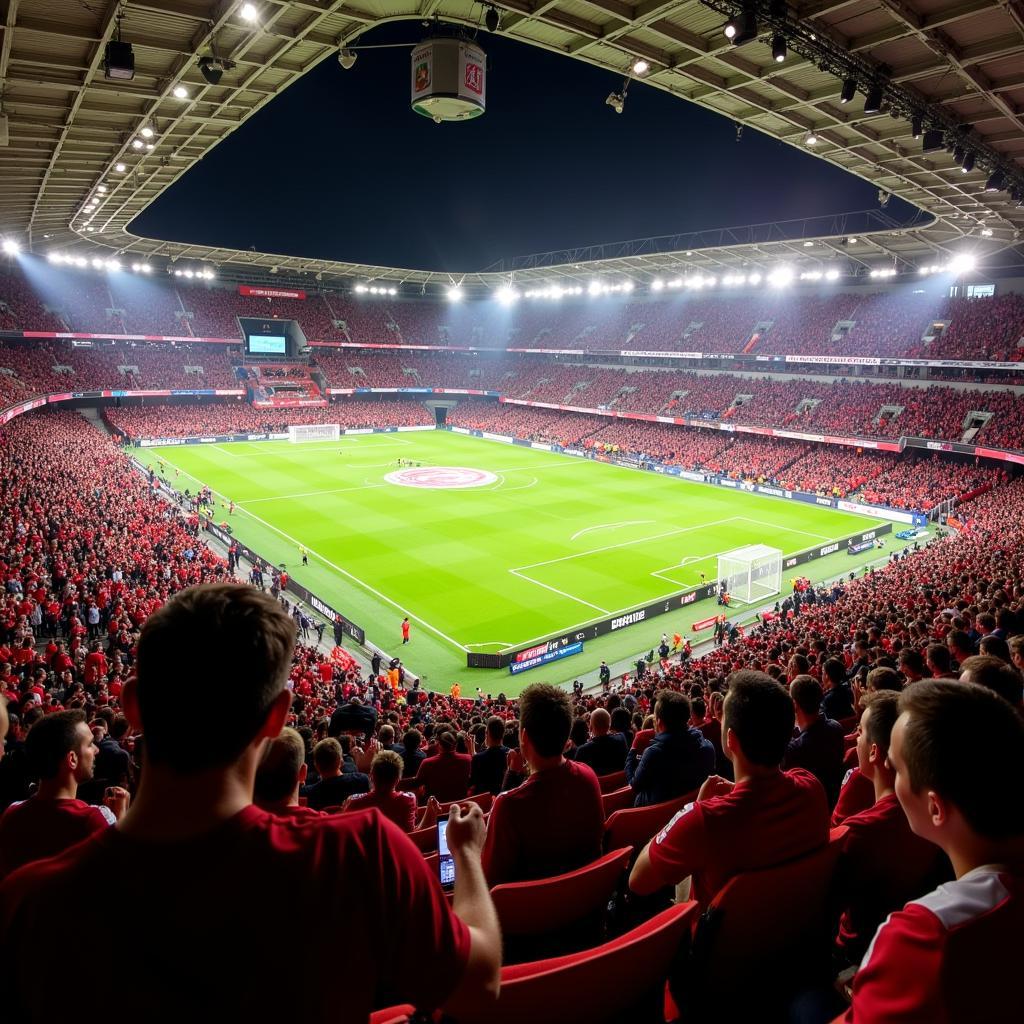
314,432
751,574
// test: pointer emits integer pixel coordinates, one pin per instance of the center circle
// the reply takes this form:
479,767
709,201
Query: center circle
441,477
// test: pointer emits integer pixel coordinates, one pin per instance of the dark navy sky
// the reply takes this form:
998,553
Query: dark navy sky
339,167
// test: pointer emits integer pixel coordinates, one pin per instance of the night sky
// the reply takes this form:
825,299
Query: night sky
339,167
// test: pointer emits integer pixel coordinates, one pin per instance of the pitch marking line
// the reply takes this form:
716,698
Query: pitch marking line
785,529
561,593
609,526
492,643
224,451
337,568
664,574
624,544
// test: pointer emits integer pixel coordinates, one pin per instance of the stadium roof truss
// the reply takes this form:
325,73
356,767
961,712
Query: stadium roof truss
960,63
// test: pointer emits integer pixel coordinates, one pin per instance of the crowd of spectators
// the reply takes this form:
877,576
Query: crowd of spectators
236,417
920,322
888,704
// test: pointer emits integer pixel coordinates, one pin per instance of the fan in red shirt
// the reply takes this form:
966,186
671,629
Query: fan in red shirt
446,775
958,752
61,753
280,776
554,821
214,882
765,817
883,864
385,772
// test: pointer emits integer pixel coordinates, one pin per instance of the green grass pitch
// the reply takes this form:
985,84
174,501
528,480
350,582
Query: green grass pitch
553,542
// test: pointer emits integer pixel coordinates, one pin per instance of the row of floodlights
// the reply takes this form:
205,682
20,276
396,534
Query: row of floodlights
957,265
206,274
62,259
373,289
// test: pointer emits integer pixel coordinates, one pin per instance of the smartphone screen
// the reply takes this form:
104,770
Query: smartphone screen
445,860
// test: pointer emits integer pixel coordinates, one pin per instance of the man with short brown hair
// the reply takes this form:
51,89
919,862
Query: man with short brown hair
212,880
554,821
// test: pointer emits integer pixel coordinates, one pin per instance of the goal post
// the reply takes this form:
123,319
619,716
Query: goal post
751,574
297,433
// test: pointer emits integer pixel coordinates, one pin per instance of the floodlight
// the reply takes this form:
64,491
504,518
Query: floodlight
213,68
780,277
136,143
97,264
931,140
987,232
506,295
249,12
812,139
958,154
849,90
80,261
454,293
657,284
754,278
968,165
90,230
873,99
101,189
55,257
996,182
347,58
832,275
779,48
616,100
917,125
118,60
147,131
113,264
120,168
962,264
11,247
742,29
641,67
492,19
180,92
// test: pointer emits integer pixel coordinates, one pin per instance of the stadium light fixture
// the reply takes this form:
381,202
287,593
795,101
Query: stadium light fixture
146,131
986,232
113,265
102,189
996,181
616,100
120,168
657,285
848,91
968,165
779,48
454,293
11,247
917,125
832,275
136,143
213,68
742,28
492,19
90,230
249,12
180,92
962,264
780,277
506,295
640,66
812,139
347,58
97,264
873,99
932,140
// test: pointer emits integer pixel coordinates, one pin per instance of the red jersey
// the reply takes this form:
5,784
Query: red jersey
400,807
761,822
856,794
204,936
552,823
446,776
948,957
38,828
883,865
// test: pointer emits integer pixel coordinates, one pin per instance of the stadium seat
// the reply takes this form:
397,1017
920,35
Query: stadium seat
599,984
392,1015
617,799
482,800
552,904
609,783
425,839
772,928
634,826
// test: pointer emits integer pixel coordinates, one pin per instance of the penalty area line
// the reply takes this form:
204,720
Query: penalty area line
561,593
337,568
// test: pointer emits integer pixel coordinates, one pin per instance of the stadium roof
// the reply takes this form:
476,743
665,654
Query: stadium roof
958,63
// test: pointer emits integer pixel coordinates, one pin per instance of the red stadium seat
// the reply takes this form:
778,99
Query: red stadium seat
392,1015
425,839
482,800
772,928
550,904
634,826
600,984
617,799
609,783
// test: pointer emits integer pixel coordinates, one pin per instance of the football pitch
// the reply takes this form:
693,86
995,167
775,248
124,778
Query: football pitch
486,545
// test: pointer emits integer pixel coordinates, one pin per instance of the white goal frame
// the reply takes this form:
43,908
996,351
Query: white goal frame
298,433
752,574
